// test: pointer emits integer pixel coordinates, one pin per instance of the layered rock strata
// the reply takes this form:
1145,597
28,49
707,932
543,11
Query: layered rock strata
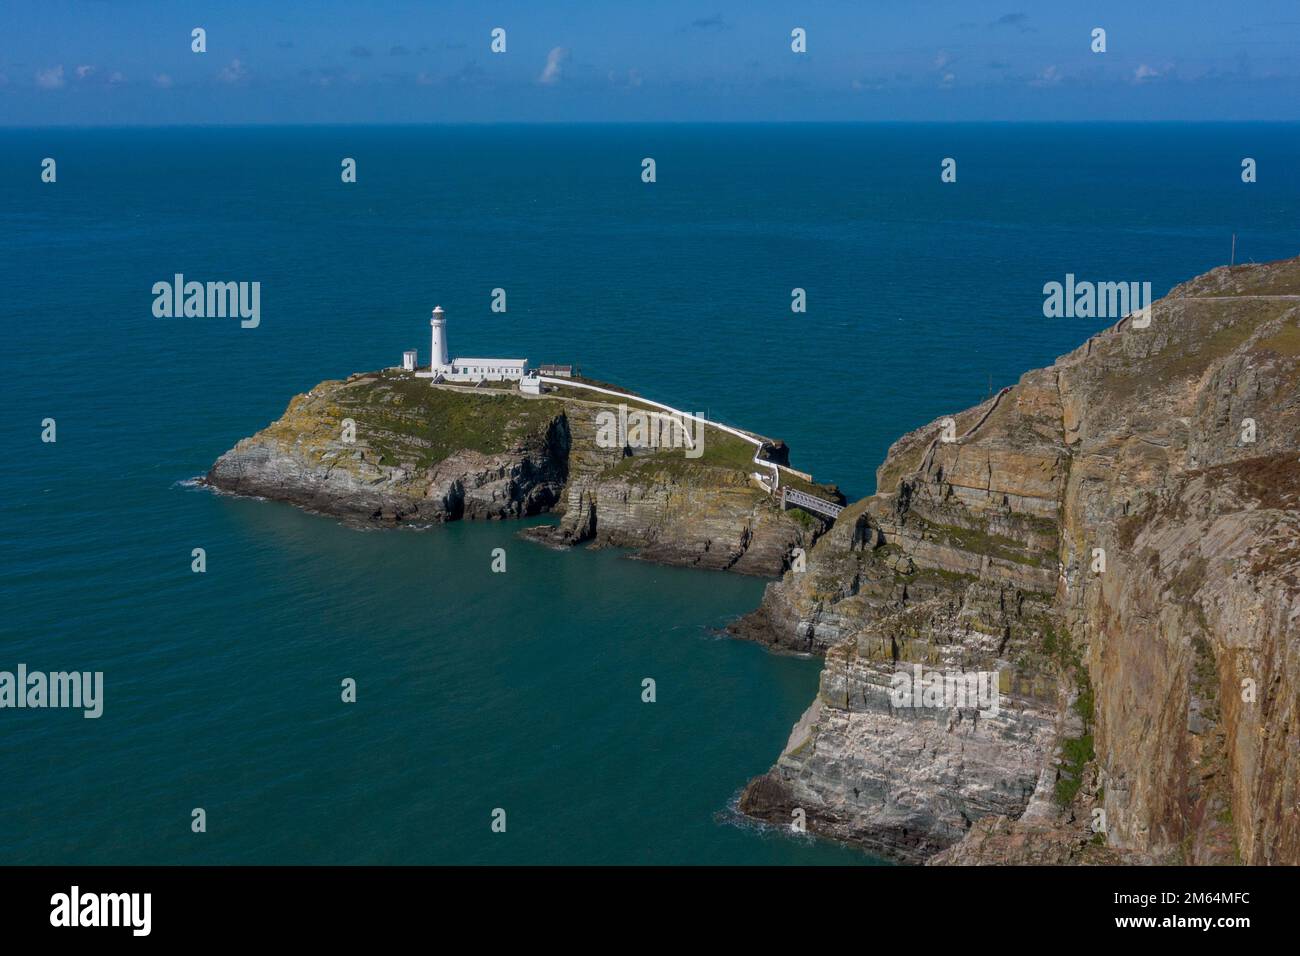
1119,536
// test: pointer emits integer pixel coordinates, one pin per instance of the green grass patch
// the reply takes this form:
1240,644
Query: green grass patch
406,419
1284,342
977,541
1077,752
721,451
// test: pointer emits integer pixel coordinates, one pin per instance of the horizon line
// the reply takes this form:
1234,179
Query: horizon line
544,123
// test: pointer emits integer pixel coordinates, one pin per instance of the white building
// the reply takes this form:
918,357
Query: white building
408,360
489,369
444,369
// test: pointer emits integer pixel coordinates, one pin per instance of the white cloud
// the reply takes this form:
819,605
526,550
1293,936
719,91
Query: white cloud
1047,76
1144,72
163,81
115,78
51,79
232,73
84,71
554,63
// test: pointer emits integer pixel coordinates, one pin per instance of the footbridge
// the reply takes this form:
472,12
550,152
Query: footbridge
801,499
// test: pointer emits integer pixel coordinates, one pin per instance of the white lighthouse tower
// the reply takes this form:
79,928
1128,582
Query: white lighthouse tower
438,359
475,370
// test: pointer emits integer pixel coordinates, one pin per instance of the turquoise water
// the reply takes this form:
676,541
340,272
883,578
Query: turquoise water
481,690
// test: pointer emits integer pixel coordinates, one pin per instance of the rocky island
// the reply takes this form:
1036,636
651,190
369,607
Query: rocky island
422,453
1116,537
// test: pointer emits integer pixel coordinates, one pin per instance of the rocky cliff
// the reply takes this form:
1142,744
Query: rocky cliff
1118,536
702,512
387,448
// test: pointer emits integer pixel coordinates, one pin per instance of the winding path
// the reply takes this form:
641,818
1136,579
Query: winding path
928,459
771,485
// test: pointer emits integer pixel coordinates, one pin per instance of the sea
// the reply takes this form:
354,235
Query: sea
482,698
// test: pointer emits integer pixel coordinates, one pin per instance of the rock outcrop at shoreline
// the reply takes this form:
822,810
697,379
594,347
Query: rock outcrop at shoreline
704,513
1149,710
410,460
421,454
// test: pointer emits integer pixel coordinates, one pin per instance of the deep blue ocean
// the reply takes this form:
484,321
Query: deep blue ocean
479,690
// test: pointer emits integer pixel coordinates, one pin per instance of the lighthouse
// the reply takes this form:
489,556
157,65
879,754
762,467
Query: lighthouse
438,360
474,370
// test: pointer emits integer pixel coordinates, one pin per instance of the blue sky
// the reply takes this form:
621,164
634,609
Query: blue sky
77,62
